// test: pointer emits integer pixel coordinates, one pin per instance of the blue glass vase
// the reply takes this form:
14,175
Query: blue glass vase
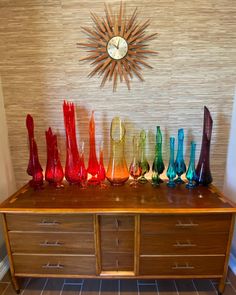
191,172
171,173
180,166
158,165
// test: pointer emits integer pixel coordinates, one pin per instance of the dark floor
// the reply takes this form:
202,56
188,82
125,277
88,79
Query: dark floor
35,286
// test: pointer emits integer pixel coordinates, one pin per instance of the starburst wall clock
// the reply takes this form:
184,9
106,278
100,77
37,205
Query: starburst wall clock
117,46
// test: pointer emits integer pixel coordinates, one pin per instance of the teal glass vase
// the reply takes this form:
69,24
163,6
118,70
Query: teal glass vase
191,172
143,159
158,165
171,173
180,166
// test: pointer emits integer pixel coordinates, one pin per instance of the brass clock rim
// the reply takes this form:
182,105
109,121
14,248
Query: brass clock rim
117,59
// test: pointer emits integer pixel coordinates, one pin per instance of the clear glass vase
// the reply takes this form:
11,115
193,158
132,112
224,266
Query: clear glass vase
117,171
143,159
158,165
135,169
171,173
191,172
180,166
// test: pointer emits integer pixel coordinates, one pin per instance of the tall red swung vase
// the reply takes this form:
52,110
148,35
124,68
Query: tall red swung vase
54,172
72,167
92,162
34,168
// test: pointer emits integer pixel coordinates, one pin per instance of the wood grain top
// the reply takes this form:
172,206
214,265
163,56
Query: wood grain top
123,199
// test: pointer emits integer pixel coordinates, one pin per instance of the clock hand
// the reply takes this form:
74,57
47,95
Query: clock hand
118,44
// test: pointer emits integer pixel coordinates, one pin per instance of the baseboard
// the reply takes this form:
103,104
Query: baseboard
4,266
232,263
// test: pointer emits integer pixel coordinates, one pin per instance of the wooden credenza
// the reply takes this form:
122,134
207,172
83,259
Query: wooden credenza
118,232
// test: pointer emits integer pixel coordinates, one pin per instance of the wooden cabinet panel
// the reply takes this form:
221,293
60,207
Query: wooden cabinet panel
207,223
116,222
117,241
55,243
177,266
117,262
181,243
56,264
50,222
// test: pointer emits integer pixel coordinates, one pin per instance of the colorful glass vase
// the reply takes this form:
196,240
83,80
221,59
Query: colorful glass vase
203,171
191,172
180,166
135,169
171,173
54,172
117,171
158,165
143,159
92,162
34,168
101,168
83,171
72,167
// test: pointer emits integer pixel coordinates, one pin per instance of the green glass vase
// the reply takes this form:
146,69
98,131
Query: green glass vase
180,166
143,159
191,172
158,165
171,173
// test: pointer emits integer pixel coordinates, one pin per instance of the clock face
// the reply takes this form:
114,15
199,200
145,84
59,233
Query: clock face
117,47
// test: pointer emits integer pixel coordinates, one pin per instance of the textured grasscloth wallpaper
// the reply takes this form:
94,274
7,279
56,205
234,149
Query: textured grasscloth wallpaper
196,66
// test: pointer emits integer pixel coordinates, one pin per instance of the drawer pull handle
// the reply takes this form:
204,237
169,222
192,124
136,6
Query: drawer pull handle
117,223
53,266
51,244
186,266
188,244
190,224
117,242
50,223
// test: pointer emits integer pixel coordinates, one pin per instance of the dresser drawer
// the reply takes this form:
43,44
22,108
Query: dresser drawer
176,266
56,264
116,222
183,244
117,241
50,222
117,262
185,223
55,243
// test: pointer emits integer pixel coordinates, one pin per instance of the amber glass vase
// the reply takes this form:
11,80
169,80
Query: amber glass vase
117,171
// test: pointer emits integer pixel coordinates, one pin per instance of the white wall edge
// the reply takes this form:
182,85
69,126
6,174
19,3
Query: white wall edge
4,266
232,263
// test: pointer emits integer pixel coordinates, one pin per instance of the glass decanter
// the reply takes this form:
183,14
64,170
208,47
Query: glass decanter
117,171
171,173
191,172
158,165
135,169
180,166
143,160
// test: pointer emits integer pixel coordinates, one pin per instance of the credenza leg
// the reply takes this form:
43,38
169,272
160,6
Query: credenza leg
221,286
16,284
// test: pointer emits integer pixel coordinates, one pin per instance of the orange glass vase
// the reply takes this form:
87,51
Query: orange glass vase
117,171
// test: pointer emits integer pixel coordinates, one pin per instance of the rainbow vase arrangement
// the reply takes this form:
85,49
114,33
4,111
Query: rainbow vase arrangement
117,173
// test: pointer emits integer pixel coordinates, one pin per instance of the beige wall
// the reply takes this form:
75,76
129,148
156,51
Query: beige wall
196,66
7,180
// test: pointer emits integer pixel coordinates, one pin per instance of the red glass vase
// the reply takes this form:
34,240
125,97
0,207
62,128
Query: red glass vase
101,169
54,172
34,168
72,167
92,162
